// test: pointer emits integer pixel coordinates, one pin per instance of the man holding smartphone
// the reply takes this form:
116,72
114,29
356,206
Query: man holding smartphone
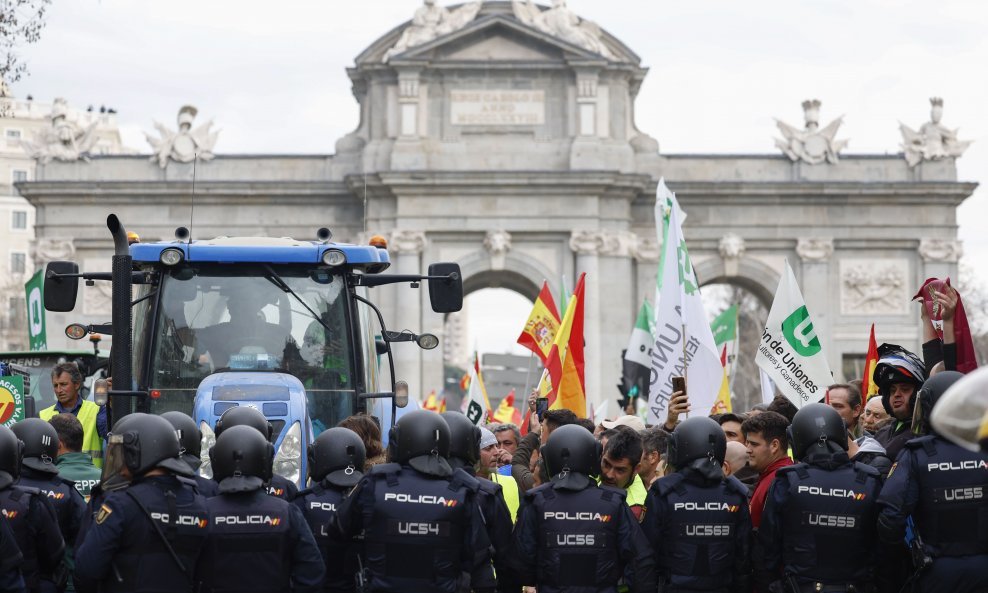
540,426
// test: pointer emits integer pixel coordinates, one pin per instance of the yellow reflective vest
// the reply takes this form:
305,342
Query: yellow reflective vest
509,488
91,442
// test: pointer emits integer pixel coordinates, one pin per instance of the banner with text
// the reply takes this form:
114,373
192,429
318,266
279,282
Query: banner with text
790,352
34,296
11,400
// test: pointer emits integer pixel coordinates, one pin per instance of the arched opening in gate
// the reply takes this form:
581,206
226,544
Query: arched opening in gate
495,307
752,312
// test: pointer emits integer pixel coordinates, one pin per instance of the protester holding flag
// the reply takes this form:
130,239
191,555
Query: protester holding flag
539,334
951,343
563,383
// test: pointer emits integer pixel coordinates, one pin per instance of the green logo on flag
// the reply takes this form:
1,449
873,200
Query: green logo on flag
33,289
474,412
686,277
799,332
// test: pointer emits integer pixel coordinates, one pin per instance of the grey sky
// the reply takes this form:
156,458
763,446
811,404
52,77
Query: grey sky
272,75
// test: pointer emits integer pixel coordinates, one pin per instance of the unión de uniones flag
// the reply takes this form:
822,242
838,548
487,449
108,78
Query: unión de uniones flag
725,330
34,289
684,345
790,352
637,365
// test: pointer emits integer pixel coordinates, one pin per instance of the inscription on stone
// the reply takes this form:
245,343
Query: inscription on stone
497,108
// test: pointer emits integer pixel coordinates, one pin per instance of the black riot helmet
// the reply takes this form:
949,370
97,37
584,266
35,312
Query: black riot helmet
188,436
817,431
141,444
571,456
464,440
40,444
337,456
929,394
11,452
697,438
421,439
241,460
244,416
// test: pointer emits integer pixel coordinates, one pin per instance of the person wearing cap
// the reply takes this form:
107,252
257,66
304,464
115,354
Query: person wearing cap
942,486
71,462
38,470
620,463
31,518
336,464
148,536
573,535
423,531
255,542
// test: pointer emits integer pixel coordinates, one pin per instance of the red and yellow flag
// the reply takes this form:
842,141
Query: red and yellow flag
723,403
868,386
564,382
506,413
430,402
542,325
442,405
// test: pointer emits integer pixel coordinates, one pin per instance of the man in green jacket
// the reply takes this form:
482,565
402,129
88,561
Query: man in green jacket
72,463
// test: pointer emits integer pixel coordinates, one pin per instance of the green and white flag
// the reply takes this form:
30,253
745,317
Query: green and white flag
725,330
684,345
638,357
790,352
34,296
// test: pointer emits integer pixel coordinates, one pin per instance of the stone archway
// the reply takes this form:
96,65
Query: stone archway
512,270
755,276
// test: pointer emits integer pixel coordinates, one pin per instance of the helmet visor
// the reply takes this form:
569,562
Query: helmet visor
114,463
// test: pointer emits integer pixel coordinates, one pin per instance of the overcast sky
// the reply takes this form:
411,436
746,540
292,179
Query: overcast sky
272,75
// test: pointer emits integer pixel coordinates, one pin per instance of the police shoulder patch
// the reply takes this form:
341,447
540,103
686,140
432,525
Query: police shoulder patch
892,469
102,514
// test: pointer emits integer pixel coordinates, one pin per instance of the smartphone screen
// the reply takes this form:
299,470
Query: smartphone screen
679,384
541,407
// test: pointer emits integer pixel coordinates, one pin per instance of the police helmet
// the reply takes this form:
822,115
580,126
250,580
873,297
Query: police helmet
244,416
337,456
817,429
464,440
188,436
896,365
697,438
421,439
11,452
571,455
40,444
930,394
241,459
963,410
143,443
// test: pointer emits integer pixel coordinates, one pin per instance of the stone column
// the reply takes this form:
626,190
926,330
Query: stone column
815,256
406,247
407,153
617,309
587,245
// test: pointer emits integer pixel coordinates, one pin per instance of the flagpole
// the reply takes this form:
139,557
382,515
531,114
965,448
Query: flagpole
528,375
737,342
686,368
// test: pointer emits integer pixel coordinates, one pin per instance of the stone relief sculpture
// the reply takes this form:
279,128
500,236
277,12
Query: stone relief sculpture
560,21
48,249
431,21
497,242
933,141
940,250
186,144
811,144
731,246
64,140
873,286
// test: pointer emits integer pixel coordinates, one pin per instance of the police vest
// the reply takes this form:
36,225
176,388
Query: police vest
413,539
319,505
578,536
15,504
952,514
249,547
143,561
61,494
830,522
509,489
91,441
700,532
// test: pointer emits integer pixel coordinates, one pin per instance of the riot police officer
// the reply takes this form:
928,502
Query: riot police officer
696,519
423,531
32,518
247,416
190,438
256,542
38,470
943,487
464,453
336,461
147,536
818,528
573,534
10,560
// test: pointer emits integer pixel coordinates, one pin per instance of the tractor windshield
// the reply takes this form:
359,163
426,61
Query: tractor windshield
213,318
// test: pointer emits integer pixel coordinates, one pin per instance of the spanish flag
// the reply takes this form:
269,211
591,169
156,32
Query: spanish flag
564,382
868,386
542,325
430,402
506,412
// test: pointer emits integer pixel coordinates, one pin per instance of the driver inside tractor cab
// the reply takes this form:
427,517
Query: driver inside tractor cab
247,340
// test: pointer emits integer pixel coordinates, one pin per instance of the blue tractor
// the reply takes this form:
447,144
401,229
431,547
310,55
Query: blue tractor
278,324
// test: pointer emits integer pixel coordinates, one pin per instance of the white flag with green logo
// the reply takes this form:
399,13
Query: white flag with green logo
790,352
684,345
